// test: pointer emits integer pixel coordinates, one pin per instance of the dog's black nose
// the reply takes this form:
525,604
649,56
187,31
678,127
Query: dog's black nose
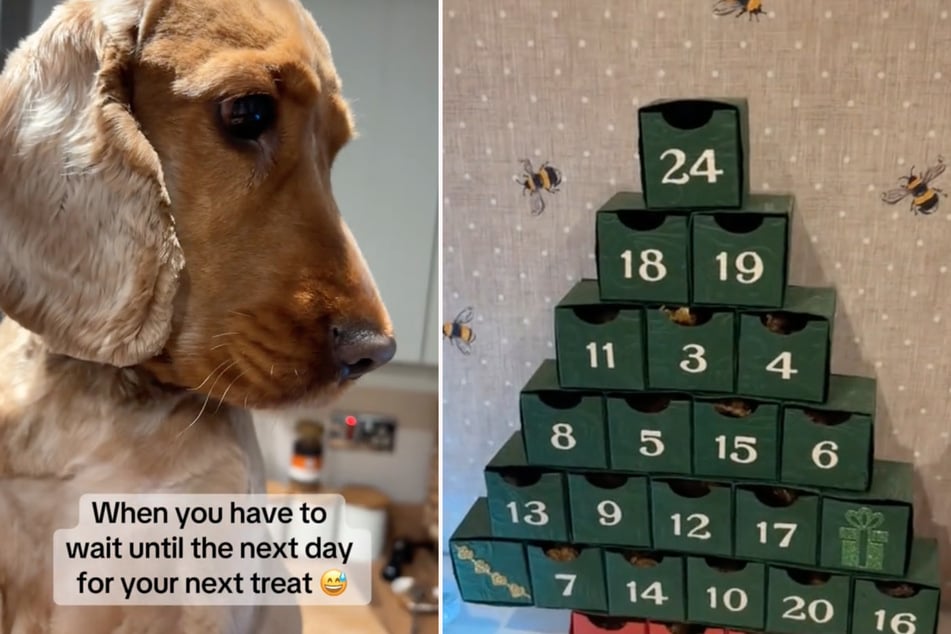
361,350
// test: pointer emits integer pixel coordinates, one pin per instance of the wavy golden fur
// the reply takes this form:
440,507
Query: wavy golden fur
159,278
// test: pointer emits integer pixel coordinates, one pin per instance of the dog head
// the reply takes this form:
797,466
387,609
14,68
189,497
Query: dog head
165,198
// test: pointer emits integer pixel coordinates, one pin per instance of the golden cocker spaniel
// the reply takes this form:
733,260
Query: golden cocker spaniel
171,255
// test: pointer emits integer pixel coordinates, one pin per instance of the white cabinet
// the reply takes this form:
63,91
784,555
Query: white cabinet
386,181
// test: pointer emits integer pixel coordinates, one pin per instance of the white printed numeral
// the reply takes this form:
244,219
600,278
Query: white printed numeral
609,513
748,264
562,436
569,583
783,366
699,531
652,443
695,362
537,514
903,623
608,349
825,455
654,592
705,165
734,599
651,269
744,449
790,530
819,611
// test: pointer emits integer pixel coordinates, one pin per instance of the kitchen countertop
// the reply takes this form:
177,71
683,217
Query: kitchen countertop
320,619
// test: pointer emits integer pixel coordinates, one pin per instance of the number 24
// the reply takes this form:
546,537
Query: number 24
706,165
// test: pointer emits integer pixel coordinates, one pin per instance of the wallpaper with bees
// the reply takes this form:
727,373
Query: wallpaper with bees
850,110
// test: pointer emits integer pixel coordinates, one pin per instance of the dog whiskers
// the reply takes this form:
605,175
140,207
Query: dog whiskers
227,389
210,374
225,334
207,398
220,345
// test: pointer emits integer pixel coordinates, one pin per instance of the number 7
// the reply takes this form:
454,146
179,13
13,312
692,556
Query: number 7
569,586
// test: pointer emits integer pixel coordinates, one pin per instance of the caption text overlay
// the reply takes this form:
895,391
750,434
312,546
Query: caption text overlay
212,550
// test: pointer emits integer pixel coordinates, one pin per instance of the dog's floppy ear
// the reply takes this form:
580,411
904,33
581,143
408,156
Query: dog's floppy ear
89,259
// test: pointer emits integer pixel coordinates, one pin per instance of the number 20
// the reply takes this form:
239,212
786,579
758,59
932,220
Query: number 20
705,165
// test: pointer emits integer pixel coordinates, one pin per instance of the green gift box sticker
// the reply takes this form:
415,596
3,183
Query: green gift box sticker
863,545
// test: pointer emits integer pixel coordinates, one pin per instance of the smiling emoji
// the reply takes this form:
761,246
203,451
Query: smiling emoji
333,583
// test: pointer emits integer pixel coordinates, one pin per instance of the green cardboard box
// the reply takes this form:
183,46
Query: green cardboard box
736,438
562,428
694,153
727,593
905,605
650,432
525,502
609,508
691,351
786,353
643,255
808,602
870,532
598,345
741,258
488,569
646,585
692,516
575,584
777,525
831,445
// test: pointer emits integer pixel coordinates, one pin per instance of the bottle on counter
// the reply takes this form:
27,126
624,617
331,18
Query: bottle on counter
307,460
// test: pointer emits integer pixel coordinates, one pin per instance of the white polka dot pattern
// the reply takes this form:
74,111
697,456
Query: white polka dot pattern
845,98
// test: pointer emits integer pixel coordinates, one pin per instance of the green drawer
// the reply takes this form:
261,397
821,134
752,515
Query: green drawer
690,349
642,255
741,258
487,569
728,593
736,438
785,353
598,345
567,577
831,445
562,428
649,432
694,153
525,502
808,602
777,525
609,508
646,585
908,605
692,516
870,532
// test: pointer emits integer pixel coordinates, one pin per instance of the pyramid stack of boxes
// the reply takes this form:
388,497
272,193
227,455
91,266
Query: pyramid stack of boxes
688,462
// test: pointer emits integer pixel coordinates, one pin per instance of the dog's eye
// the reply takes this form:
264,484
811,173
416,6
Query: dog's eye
249,117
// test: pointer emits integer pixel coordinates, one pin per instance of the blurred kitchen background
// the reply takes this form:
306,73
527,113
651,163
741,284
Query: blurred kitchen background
378,445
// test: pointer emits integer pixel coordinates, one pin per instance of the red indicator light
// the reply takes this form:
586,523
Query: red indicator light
351,420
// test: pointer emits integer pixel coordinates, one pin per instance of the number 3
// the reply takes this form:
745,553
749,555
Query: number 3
694,352
706,165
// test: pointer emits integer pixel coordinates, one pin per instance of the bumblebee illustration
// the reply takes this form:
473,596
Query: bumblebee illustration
458,331
753,8
547,178
925,197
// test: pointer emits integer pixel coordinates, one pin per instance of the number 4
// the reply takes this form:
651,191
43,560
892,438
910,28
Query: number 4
782,365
